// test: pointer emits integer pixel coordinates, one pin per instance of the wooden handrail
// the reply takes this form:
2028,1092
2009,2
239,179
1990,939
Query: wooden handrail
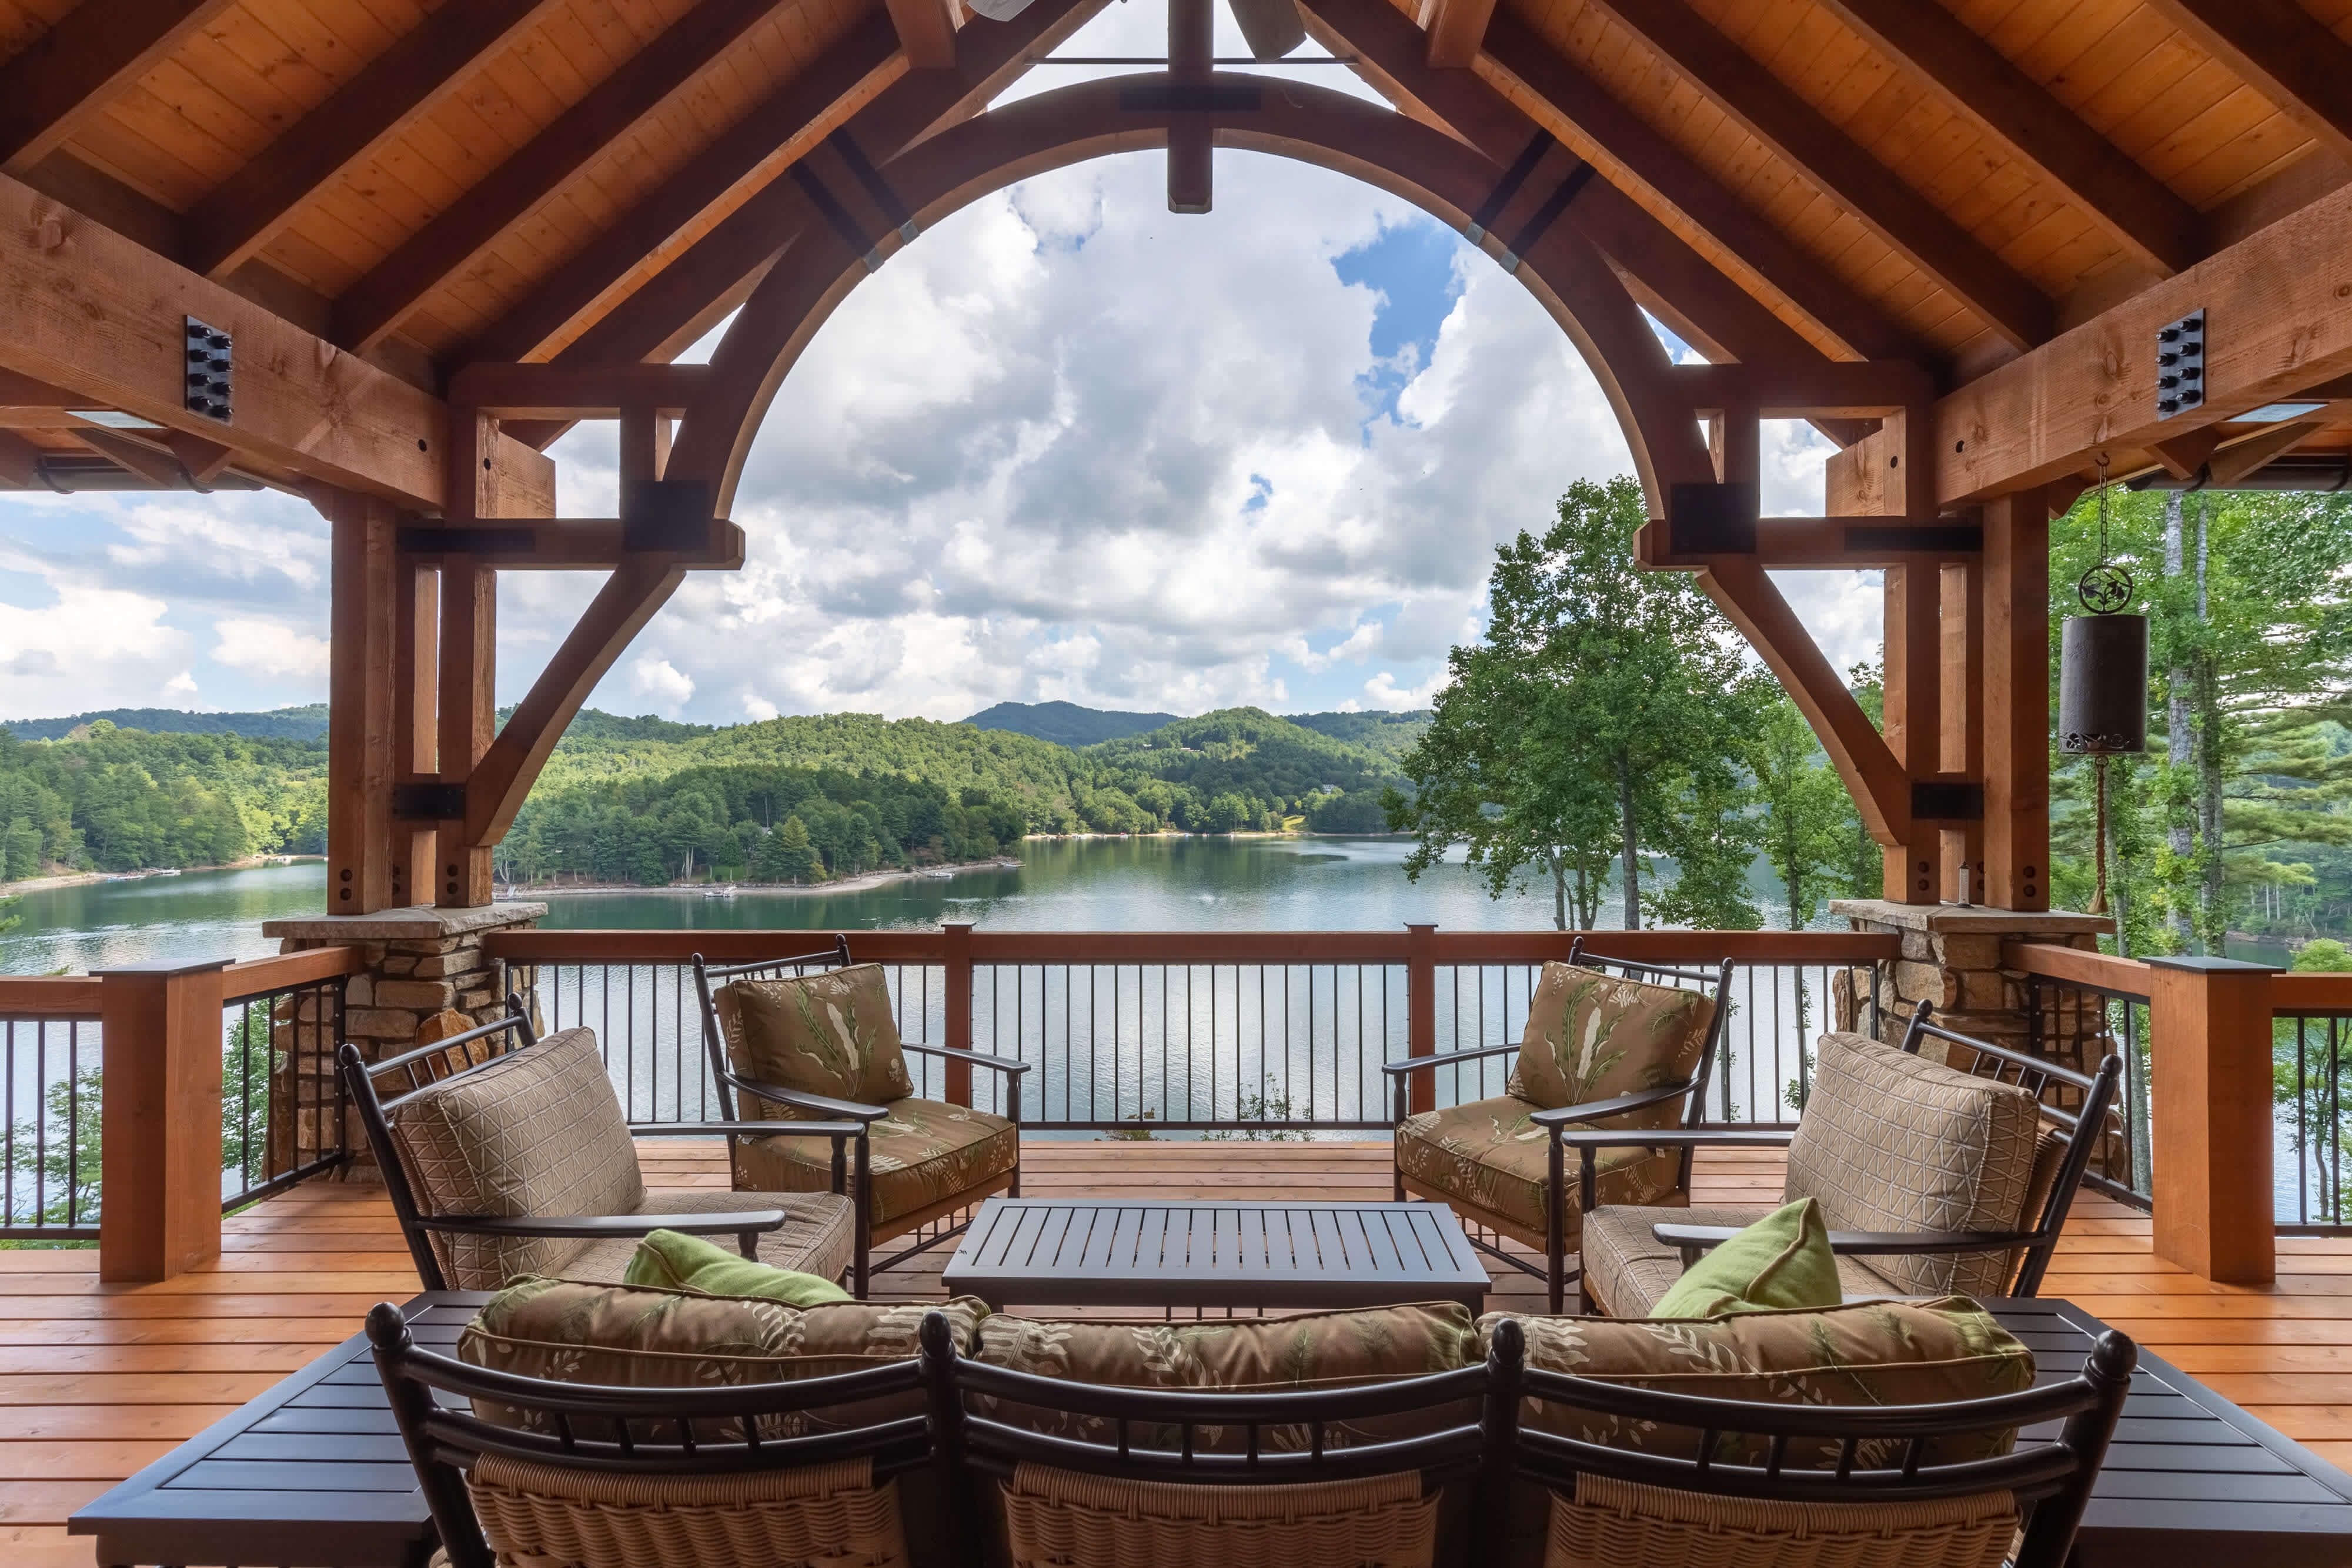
2307,993
2080,967
50,996
1192,947
257,976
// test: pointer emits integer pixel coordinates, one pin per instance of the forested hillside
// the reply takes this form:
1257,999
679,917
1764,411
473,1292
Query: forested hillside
1067,723
122,799
306,723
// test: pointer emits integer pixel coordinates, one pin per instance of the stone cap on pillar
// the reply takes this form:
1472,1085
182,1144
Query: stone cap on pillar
419,923
1972,919
2215,966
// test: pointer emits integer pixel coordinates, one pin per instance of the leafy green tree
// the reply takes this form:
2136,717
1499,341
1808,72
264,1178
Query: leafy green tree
1808,817
787,855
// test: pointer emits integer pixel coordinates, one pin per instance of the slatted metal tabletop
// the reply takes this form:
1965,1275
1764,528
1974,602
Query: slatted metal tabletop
312,1474
1040,1251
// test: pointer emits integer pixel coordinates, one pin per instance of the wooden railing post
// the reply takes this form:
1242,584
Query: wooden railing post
2211,1117
1420,1009
958,960
160,1125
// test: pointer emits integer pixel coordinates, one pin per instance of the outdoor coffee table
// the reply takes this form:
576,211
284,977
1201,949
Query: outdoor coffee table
312,1474
1233,1255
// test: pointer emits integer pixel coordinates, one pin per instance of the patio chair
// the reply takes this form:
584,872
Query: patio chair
1792,1484
508,1154
1500,1162
655,1477
1240,1480
1933,1178
934,1159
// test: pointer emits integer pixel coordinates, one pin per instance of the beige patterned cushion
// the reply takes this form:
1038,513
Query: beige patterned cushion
539,1132
1591,1036
1873,1354
1627,1269
924,1153
1488,1159
1890,1142
831,1033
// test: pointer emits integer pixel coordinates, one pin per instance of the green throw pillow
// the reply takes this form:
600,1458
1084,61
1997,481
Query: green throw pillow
1783,1260
675,1263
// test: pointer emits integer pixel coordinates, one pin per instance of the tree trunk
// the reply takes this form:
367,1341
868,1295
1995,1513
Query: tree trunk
1628,850
2118,872
2180,727
1558,891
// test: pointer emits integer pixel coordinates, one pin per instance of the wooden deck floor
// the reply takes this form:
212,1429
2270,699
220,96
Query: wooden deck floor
95,1381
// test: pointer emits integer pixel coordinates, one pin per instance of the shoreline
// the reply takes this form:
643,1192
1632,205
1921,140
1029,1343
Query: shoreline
859,883
88,878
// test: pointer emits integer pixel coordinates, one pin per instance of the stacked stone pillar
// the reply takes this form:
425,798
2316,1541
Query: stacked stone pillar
426,978
1951,956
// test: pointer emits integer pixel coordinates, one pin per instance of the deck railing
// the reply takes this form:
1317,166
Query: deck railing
1248,1034
50,1031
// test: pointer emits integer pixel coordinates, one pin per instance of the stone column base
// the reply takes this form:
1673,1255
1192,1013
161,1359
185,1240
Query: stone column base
1951,956
427,979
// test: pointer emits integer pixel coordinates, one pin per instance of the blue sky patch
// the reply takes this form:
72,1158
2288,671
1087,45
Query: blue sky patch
1411,267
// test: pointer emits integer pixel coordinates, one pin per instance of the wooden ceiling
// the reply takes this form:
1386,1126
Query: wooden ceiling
426,184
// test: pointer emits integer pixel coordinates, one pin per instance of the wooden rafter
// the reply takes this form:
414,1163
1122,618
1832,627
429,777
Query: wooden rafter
50,89
1514,48
749,154
1937,50
1733,80
1456,28
377,303
927,31
576,392
392,92
2289,56
2281,325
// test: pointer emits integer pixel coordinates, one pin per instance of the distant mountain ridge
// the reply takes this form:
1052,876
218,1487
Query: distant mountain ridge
307,722
1067,724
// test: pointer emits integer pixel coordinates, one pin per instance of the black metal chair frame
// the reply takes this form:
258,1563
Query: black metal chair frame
2053,1478
1554,1272
2085,1126
862,1116
592,1426
428,1067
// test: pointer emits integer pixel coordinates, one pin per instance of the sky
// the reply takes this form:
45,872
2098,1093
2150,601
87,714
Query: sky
1065,445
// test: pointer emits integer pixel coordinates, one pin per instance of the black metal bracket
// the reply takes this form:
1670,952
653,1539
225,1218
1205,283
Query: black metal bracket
210,371
2180,365
666,515
1938,538
1711,519
1190,98
1508,186
1932,801
467,541
432,802
1538,225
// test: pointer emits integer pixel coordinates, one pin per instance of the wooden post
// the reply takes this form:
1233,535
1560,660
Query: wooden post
470,642
1190,149
1913,868
2209,1117
957,961
160,1122
415,741
2015,695
360,724
1420,1009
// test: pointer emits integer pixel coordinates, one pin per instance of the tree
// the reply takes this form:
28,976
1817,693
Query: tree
1808,817
1601,714
786,854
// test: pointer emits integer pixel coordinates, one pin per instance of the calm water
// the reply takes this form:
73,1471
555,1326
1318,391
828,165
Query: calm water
1073,884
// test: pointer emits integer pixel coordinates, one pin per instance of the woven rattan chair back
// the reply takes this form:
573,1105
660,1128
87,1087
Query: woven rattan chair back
575,1476
1796,1484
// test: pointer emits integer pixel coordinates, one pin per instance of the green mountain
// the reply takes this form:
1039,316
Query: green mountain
305,723
1390,734
1067,723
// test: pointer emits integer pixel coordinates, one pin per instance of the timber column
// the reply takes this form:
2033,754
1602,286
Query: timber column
426,978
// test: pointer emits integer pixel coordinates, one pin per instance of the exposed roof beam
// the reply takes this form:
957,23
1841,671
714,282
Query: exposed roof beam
378,302
1513,46
20,462
391,92
1736,83
2045,415
1937,50
2285,52
1456,28
1389,54
748,153
575,392
927,31
50,87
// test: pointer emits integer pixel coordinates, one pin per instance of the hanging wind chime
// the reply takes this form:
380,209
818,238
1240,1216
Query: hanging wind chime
2102,678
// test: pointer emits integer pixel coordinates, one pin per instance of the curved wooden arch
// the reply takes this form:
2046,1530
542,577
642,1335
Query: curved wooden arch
818,268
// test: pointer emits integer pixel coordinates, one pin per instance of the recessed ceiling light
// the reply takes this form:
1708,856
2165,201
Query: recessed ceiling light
2272,413
112,418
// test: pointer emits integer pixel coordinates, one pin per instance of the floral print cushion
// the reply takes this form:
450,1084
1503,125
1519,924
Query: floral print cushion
1488,1156
1871,1354
831,1033
1591,1036
924,1153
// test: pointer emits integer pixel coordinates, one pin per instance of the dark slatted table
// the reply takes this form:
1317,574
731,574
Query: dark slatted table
1240,1255
312,1474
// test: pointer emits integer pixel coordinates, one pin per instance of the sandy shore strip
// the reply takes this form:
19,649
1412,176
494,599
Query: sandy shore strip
859,884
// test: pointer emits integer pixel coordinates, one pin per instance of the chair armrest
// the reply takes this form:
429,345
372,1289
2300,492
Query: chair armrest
607,1226
1887,1243
982,1058
1591,1109
1674,1138
846,1110
749,1129
1415,1063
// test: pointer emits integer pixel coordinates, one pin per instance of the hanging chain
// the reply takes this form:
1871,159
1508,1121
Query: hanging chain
2106,586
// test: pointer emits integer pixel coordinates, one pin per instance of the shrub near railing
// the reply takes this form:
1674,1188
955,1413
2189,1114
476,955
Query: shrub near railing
1191,1033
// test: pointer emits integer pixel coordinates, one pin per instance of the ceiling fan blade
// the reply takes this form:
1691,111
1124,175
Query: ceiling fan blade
998,10
1272,27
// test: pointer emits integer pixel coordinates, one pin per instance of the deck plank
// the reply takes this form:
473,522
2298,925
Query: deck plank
97,1379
